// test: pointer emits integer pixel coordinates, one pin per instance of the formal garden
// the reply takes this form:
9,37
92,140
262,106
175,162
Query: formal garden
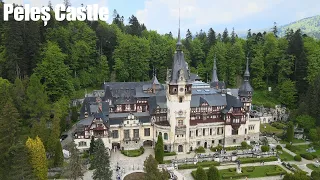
135,176
308,152
133,153
314,167
249,172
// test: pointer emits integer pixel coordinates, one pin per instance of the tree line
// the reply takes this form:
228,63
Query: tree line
43,67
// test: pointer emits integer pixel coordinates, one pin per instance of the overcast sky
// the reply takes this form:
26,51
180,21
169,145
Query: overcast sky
163,15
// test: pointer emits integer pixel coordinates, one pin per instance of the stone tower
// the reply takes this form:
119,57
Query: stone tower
178,101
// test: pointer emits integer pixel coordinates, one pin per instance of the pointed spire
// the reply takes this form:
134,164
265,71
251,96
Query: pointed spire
153,72
179,38
154,78
247,73
214,71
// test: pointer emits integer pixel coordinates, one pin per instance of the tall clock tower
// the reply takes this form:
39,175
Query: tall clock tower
178,101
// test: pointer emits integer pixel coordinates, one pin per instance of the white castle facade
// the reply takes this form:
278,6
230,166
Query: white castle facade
187,112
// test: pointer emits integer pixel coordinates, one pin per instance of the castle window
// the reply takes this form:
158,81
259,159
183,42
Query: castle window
82,143
174,90
251,127
165,136
180,123
234,131
180,99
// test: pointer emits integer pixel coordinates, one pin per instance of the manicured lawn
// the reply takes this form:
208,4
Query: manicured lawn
264,98
301,149
170,153
135,176
132,153
250,172
255,160
313,167
293,141
267,128
285,156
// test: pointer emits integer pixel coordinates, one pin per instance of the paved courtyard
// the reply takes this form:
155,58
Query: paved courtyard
125,163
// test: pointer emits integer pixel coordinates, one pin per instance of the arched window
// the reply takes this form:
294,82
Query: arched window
165,136
160,134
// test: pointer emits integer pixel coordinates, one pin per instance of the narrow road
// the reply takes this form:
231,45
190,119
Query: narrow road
69,139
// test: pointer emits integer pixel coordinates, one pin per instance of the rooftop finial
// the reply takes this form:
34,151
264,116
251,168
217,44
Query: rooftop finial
179,38
247,73
214,71
153,71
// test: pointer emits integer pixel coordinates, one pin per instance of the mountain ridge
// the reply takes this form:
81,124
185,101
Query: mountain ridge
309,26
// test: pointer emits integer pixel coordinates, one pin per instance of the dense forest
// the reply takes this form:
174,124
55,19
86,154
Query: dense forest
43,67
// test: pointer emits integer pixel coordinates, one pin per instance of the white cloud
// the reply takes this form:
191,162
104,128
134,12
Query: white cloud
197,13
74,3
19,2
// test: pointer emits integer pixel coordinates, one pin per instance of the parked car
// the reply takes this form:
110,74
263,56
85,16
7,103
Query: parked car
63,137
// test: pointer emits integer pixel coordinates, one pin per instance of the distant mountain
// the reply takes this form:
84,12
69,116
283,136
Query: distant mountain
309,26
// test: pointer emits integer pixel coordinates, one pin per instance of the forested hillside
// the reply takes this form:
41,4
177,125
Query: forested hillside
43,67
309,26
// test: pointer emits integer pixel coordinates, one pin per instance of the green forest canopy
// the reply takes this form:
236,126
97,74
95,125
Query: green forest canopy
42,67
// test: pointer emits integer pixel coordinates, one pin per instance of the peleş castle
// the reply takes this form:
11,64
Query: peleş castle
185,111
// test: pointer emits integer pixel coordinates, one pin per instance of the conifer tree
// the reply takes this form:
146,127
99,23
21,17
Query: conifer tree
92,145
290,132
159,150
101,162
213,173
20,167
233,36
75,166
211,38
58,155
9,128
36,99
38,158
225,36
201,174
151,170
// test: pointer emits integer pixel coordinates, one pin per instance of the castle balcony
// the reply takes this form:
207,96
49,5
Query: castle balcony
237,113
99,128
180,140
181,129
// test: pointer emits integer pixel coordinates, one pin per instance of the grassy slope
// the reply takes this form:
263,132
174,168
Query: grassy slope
263,98
270,129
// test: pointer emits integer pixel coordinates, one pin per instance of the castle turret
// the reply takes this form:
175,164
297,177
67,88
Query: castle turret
246,90
215,83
